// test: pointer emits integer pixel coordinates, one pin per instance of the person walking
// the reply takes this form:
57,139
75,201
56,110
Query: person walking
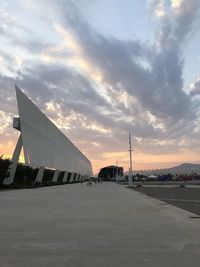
89,182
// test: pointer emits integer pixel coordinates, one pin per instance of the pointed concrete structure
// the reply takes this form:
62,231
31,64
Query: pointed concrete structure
43,143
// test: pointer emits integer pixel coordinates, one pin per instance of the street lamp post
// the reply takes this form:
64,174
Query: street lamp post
117,172
131,168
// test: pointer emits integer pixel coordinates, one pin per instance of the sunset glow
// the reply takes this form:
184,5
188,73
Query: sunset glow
100,73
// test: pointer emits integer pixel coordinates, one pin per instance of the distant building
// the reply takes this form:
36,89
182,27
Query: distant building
110,172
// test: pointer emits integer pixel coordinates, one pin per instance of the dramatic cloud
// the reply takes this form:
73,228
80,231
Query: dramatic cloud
158,87
97,88
153,75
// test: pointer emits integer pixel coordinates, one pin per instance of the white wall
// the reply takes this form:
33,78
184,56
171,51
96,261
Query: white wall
44,144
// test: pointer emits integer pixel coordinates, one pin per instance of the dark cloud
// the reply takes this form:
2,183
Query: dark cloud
60,85
7,94
158,88
152,74
65,85
185,16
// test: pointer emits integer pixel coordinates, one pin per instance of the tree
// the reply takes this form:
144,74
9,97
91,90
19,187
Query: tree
4,166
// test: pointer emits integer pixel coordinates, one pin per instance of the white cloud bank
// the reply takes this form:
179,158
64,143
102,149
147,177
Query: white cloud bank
97,89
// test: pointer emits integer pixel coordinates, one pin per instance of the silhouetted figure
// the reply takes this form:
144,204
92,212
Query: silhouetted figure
89,182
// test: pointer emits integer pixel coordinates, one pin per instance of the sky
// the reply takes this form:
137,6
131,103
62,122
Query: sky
103,69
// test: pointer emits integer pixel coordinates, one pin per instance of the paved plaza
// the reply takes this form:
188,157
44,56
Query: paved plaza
187,198
104,225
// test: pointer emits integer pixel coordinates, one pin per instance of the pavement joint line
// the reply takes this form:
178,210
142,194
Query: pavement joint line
182,200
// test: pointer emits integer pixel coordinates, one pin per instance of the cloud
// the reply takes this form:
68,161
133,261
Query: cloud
4,121
157,8
158,88
96,88
195,87
7,20
184,13
157,85
7,95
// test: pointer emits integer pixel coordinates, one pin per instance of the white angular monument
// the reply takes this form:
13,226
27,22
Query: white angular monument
43,143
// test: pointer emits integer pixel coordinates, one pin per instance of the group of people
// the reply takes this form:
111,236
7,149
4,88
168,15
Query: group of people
95,180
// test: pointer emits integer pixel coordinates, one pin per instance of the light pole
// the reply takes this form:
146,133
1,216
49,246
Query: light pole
117,171
131,168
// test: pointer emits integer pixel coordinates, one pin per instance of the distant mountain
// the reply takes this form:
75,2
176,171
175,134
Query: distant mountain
188,165
184,168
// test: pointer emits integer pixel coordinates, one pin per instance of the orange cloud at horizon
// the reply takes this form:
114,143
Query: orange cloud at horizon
141,161
7,149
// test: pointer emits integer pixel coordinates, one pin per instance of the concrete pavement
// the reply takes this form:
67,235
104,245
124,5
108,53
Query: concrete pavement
187,198
105,225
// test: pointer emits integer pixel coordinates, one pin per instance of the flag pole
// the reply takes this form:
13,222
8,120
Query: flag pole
131,167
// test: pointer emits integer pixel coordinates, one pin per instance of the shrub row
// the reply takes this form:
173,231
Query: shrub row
25,176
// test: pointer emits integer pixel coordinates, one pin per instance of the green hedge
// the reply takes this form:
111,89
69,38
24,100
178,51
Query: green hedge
4,167
25,175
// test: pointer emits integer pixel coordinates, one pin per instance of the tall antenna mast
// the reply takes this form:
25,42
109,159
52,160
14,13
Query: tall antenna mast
117,171
131,167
